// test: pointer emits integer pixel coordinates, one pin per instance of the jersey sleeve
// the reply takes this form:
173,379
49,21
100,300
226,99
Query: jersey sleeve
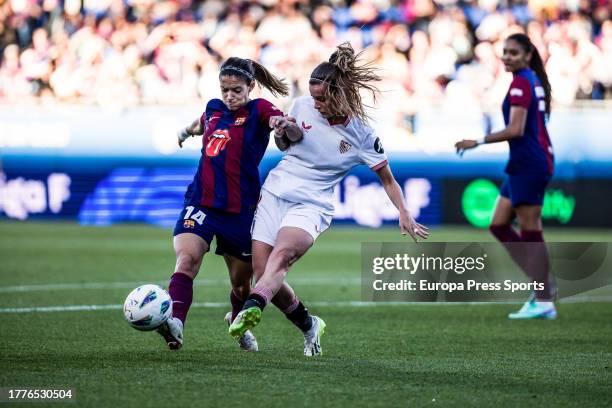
214,105
372,153
519,93
266,110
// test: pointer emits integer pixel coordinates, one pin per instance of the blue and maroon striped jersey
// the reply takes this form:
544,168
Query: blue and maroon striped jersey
531,153
232,148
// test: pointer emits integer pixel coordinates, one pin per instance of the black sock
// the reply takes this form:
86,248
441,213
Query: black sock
254,300
300,317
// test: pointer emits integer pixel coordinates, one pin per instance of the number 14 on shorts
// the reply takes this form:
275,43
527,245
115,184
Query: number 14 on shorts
197,216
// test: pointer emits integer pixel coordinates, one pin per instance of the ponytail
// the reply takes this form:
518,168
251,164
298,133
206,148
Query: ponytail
537,65
344,78
252,71
266,79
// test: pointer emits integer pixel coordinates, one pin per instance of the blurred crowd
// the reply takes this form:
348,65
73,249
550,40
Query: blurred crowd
430,52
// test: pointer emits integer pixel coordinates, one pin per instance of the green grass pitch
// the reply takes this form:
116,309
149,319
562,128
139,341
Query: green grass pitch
383,355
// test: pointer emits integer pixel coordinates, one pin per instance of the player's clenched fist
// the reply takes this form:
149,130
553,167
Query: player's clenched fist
182,135
279,124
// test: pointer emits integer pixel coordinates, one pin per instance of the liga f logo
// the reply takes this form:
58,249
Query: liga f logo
344,146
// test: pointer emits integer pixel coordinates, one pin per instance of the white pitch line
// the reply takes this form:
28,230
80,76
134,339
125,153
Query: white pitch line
198,282
347,303
89,308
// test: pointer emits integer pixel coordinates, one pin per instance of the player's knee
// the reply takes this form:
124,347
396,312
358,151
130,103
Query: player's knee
286,255
187,263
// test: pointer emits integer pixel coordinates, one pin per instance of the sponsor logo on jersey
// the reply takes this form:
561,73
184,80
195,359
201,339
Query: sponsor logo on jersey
306,127
217,142
378,146
189,224
209,120
239,121
344,146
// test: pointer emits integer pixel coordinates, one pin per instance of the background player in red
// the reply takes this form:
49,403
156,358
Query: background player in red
526,109
221,200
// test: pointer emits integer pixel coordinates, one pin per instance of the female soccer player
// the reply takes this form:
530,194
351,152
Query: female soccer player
526,109
222,198
296,199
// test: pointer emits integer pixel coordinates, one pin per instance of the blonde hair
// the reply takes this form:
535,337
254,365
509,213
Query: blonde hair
345,77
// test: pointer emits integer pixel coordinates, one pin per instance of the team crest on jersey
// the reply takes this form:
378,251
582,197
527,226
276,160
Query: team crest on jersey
239,121
344,146
189,224
216,142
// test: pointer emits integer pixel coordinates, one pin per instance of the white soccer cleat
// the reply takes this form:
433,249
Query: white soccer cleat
247,341
312,338
172,332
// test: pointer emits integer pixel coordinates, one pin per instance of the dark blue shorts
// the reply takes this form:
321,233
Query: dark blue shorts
233,231
525,189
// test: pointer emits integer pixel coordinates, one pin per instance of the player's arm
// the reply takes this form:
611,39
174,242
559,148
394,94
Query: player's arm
281,141
286,131
195,129
515,129
285,125
519,98
407,223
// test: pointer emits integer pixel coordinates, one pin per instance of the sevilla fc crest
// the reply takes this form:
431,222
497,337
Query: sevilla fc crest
344,146
217,142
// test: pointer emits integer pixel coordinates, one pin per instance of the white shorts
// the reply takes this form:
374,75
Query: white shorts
274,212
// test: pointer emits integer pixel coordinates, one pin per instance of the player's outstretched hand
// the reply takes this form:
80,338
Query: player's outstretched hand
409,226
465,144
182,135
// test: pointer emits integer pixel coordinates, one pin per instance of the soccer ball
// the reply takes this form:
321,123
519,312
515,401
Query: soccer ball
147,307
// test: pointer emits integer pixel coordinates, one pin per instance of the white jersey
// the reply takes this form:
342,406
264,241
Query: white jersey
311,168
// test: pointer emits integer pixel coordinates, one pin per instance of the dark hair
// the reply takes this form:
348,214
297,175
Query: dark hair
536,64
253,71
344,78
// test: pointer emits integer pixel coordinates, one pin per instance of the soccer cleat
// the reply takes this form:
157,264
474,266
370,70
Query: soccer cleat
533,309
172,332
247,342
246,319
312,338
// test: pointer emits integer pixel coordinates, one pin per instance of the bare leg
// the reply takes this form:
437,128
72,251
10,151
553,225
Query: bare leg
291,244
240,273
285,299
285,296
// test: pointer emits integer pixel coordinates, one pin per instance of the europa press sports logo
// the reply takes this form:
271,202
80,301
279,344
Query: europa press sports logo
217,142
